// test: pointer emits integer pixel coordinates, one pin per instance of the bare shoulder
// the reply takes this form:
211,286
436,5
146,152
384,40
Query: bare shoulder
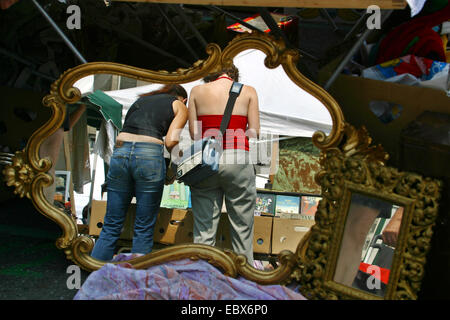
179,106
249,90
196,89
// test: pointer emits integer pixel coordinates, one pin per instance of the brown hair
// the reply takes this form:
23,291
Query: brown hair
232,72
172,89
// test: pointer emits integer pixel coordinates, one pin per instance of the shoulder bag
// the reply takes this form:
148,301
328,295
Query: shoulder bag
201,160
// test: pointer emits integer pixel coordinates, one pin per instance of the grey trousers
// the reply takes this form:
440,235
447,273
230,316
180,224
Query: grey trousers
235,182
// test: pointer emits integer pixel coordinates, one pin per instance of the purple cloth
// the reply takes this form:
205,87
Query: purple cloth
177,280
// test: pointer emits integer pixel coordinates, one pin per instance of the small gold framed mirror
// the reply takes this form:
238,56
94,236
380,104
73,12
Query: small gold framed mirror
373,226
30,171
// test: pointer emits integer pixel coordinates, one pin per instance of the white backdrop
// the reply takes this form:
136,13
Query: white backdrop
285,109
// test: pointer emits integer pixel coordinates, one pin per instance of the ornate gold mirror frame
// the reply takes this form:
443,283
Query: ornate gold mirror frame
28,173
347,159
356,167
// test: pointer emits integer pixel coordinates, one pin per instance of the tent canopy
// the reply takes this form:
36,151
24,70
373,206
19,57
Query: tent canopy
110,109
285,109
103,107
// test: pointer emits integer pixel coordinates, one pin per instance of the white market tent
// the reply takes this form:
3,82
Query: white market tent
285,109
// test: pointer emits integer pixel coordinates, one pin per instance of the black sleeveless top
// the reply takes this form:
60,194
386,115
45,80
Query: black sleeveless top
150,116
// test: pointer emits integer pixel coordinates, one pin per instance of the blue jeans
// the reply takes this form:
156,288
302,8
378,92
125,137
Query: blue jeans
136,169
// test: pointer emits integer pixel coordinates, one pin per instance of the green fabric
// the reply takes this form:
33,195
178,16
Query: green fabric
409,46
109,108
94,117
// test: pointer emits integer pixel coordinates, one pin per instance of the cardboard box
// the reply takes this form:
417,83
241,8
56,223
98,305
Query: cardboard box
98,211
262,234
174,226
287,233
355,95
426,145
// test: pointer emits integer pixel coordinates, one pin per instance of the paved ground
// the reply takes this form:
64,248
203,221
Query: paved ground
31,267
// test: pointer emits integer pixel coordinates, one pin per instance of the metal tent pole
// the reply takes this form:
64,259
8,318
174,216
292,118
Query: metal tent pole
273,26
58,30
147,45
330,20
200,38
351,53
356,26
91,192
180,36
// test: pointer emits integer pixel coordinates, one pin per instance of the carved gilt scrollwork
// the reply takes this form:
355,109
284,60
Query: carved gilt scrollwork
19,175
358,166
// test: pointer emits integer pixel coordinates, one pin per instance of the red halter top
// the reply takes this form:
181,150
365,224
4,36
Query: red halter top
234,137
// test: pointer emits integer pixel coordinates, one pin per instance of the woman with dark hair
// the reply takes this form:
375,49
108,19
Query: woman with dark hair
137,167
231,72
235,180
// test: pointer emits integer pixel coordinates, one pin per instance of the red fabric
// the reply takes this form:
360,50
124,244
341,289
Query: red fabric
414,65
384,273
238,140
393,46
224,77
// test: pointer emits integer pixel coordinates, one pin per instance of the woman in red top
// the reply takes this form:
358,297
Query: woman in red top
235,180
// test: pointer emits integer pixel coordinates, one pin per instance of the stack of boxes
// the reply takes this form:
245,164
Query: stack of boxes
281,221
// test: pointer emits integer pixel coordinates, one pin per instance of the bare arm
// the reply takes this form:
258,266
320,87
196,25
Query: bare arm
194,130
253,114
178,123
390,233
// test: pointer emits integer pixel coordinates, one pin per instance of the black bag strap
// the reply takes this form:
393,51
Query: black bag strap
235,90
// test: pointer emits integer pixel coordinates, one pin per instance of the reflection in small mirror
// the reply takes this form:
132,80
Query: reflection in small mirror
368,244
80,150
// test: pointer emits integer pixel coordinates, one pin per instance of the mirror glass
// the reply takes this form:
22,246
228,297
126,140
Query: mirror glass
368,244
80,150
